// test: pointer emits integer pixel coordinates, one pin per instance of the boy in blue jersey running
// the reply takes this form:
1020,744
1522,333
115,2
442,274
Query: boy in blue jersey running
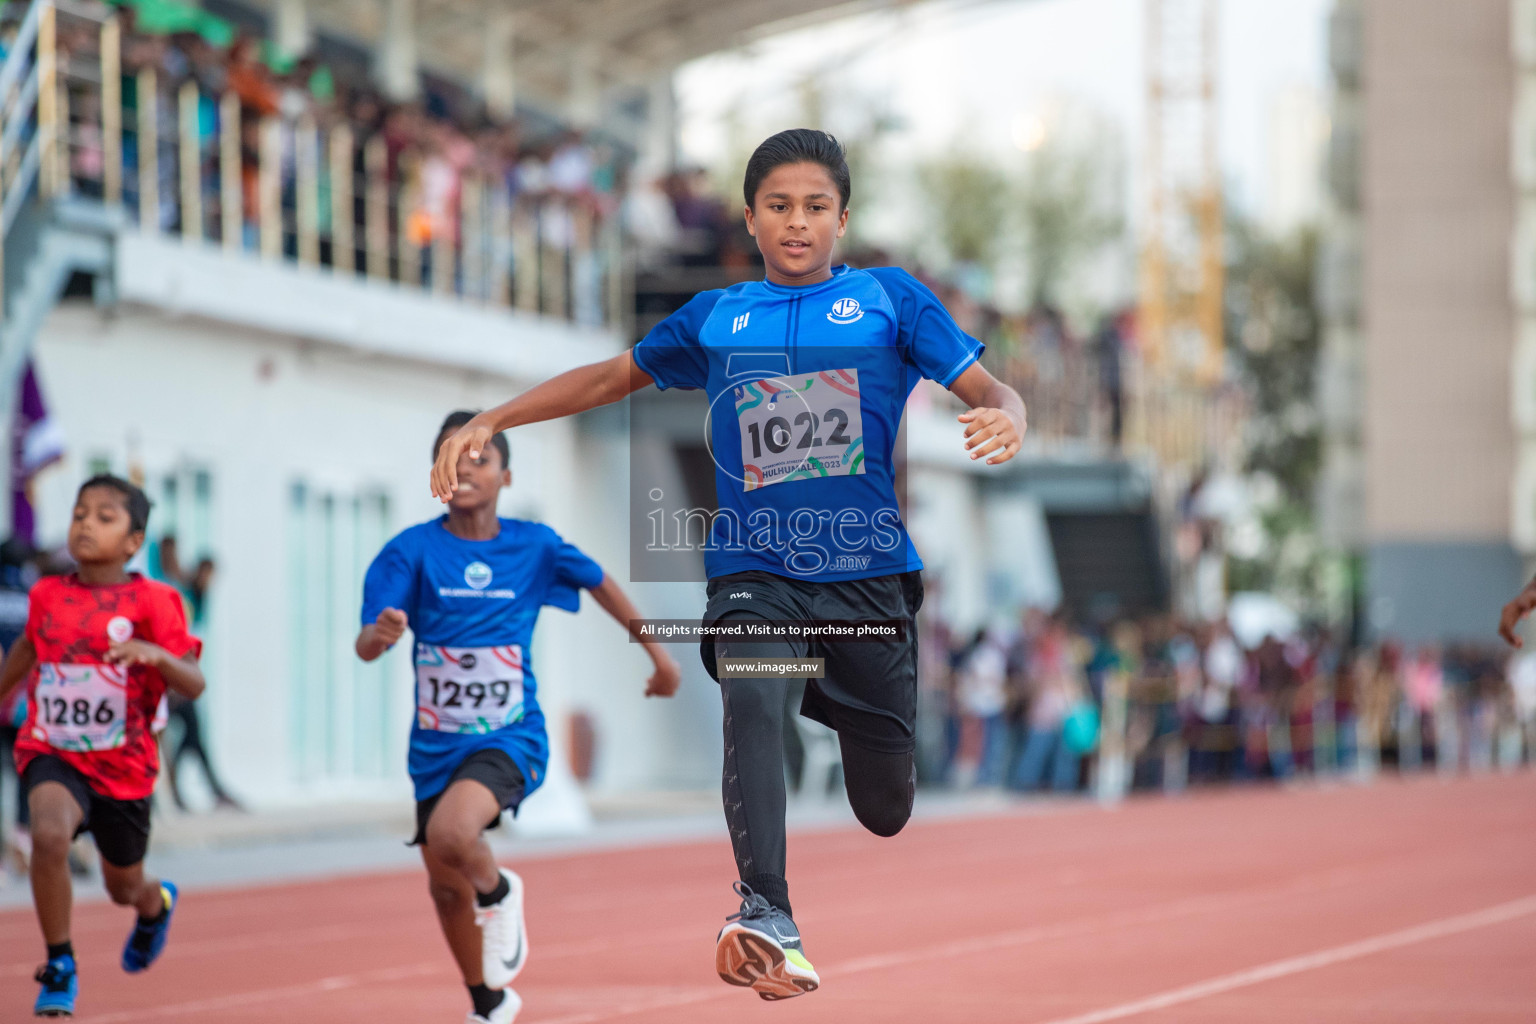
807,373
470,585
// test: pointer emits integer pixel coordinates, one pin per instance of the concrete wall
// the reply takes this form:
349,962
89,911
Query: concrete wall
1431,592
259,412
1440,327
1439,85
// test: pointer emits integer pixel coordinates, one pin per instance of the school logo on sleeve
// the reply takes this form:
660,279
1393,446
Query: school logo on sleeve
845,311
119,629
477,575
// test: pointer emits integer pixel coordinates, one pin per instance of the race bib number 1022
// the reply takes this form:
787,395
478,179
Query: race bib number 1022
804,427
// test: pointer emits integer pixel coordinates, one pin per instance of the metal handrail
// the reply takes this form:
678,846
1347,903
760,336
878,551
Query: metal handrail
21,185
26,35
13,123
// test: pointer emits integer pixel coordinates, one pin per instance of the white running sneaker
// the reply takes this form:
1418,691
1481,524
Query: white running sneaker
503,935
503,1014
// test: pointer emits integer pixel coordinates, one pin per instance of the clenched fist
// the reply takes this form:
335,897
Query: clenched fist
390,626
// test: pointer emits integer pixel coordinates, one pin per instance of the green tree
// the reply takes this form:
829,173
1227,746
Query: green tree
967,200
1274,339
1063,216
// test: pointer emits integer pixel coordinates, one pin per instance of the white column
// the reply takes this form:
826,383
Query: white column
584,97
395,58
658,139
498,75
290,28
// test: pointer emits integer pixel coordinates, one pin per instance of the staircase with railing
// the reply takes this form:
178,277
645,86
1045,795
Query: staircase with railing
44,244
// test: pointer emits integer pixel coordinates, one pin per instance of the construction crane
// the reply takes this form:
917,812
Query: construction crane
1181,262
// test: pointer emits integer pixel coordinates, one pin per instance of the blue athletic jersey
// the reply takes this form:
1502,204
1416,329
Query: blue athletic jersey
806,390
472,606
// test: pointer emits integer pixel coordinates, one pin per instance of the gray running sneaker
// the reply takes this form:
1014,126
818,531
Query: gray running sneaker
759,948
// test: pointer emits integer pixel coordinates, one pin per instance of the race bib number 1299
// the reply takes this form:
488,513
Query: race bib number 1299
468,689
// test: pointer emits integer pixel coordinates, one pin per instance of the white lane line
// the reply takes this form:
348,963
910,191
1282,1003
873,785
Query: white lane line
242,999
1114,921
327,934
988,943
684,997
1311,961
671,1001
1391,940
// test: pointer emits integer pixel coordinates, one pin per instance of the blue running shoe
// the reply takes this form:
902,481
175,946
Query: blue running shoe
760,947
146,941
60,987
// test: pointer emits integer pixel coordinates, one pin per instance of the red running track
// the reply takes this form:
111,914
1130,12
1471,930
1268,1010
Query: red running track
1403,902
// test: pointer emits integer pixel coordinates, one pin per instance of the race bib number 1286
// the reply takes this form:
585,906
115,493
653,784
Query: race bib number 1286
81,707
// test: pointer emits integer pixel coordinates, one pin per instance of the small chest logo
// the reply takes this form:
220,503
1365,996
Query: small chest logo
845,311
477,575
119,630
740,322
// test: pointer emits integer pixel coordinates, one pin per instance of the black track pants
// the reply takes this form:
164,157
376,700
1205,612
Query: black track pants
880,785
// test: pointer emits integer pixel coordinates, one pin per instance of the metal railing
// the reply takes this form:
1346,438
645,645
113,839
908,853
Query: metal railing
1070,398
1185,422
304,190
21,144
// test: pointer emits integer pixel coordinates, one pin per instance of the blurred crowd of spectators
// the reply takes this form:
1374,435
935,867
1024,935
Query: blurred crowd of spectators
679,219
1023,708
445,140
431,146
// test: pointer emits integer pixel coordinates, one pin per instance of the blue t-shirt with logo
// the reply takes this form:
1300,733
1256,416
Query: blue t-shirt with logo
806,389
472,606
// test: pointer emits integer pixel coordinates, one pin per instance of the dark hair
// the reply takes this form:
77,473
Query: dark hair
799,146
16,552
457,419
134,499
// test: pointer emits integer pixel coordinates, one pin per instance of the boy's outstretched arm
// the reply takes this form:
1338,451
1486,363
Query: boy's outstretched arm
19,660
996,421
573,391
664,681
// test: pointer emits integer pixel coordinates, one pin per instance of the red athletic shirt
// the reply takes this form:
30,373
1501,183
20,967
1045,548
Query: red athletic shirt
95,716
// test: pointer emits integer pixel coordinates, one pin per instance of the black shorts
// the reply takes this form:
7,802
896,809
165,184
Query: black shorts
494,770
869,692
120,827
